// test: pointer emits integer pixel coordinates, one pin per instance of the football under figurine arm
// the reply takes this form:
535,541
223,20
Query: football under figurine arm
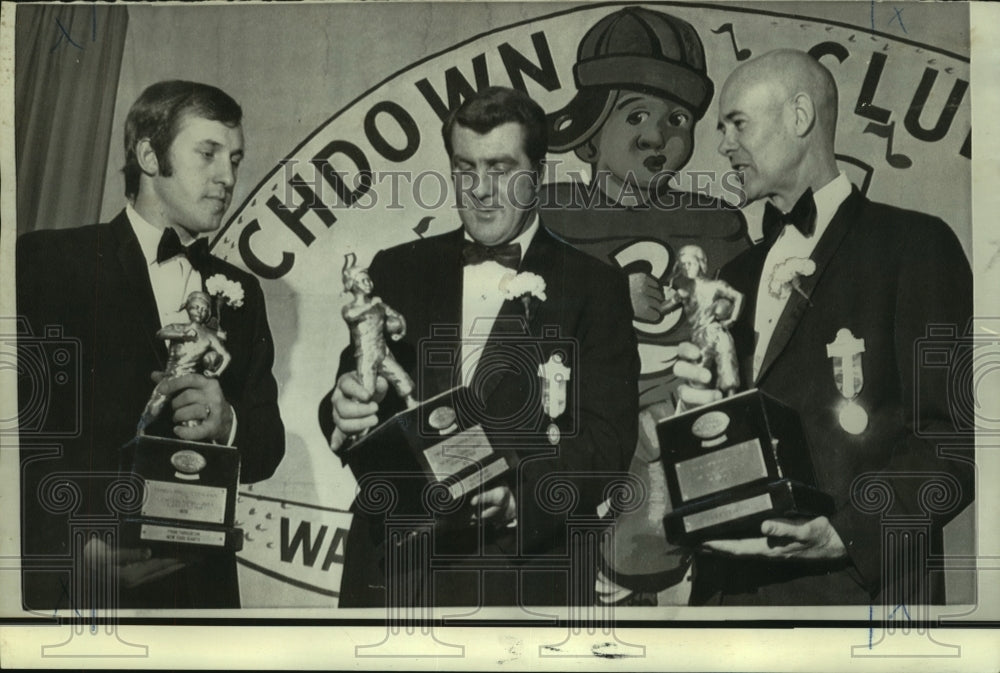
217,346
395,323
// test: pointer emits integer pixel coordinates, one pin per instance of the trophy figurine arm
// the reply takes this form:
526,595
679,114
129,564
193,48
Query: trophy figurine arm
671,299
177,331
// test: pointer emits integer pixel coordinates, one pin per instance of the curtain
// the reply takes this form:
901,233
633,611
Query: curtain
67,61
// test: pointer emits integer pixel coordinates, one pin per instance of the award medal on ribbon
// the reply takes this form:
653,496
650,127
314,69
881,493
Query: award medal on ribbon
554,375
845,351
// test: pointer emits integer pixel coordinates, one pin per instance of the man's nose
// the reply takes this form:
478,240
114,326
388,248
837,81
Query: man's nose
226,174
727,146
483,184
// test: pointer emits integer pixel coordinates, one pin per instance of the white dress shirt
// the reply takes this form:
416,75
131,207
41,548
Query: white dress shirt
482,300
791,243
172,281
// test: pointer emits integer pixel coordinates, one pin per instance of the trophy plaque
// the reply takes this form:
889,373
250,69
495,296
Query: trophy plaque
733,464
434,455
189,494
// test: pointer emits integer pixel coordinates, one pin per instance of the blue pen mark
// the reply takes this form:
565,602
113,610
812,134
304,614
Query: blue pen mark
898,17
65,594
871,629
871,618
64,33
905,611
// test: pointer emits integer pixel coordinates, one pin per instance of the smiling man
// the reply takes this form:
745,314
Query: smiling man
878,278
110,288
514,550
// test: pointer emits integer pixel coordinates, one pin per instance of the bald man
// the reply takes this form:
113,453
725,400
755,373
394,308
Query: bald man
831,260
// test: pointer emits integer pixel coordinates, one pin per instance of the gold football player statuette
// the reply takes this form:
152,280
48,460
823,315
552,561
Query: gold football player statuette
195,348
710,307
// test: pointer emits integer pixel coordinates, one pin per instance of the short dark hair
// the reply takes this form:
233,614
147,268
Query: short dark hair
498,105
157,115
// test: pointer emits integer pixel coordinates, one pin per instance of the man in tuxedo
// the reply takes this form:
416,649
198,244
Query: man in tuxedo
449,289
108,288
831,260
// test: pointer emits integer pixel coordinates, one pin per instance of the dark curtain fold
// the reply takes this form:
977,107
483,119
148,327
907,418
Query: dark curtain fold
67,63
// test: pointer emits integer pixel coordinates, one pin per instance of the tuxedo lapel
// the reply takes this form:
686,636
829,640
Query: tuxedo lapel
136,290
797,304
744,273
441,319
540,259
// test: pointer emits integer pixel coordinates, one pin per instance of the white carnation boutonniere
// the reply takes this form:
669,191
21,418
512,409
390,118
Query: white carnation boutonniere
223,291
525,286
787,276
229,291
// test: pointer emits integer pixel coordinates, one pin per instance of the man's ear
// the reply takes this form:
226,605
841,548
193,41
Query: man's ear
540,172
805,113
145,156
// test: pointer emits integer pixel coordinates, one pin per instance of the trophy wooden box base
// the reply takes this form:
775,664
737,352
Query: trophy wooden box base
189,495
732,464
738,513
432,457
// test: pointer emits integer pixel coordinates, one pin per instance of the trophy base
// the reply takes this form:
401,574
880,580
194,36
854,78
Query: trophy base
165,537
434,456
189,495
738,513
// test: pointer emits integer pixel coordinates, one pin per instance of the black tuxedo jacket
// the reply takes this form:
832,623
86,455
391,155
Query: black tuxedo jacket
588,307
899,280
88,289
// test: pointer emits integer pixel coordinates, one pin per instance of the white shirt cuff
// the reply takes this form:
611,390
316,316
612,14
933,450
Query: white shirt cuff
232,430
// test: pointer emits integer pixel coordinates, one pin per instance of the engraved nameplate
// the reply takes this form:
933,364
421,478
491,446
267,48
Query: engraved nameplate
722,469
458,452
185,502
723,513
475,480
156,533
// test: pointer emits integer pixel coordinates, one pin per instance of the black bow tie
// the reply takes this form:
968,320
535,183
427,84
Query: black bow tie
802,216
170,246
508,255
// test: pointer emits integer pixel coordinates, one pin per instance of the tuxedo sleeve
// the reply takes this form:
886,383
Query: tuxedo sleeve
586,463
260,434
929,475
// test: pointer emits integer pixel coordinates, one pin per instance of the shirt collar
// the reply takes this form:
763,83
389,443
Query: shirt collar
149,235
524,238
828,199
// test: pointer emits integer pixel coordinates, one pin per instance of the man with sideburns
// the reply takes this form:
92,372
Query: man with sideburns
111,287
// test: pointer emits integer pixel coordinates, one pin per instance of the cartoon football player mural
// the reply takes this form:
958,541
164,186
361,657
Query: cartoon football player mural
641,88
642,85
